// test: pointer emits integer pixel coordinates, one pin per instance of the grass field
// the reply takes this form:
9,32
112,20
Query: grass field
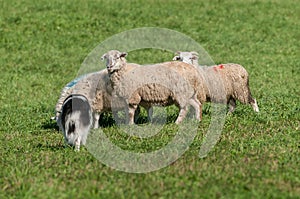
42,45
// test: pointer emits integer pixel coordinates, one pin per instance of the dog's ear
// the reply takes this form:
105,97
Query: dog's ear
103,57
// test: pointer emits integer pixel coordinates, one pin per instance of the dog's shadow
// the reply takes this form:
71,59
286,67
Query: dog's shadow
52,146
50,124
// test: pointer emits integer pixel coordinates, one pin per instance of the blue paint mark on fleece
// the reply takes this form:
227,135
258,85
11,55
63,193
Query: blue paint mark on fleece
74,82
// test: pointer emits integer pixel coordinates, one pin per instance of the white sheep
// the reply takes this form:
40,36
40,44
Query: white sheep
104,102
80,105
96,87
234,77
65,92
74,112
85,85
157,84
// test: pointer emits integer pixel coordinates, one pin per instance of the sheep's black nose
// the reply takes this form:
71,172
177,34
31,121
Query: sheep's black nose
109,68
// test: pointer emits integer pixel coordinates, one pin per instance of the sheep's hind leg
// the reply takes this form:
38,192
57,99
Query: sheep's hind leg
198,108
232,105
182,114
254,105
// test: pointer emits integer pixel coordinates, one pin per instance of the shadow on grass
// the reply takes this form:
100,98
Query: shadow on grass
107,120
50,124
52,147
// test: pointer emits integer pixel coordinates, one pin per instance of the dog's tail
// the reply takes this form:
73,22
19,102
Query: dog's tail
76,119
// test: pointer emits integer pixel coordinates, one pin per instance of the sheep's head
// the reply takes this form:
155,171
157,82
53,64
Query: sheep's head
187,57
115,60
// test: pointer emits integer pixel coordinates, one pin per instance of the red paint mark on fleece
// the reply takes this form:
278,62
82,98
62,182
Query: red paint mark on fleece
221,66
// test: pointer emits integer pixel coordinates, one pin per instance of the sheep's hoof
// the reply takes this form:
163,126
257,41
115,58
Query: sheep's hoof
177,122
230,113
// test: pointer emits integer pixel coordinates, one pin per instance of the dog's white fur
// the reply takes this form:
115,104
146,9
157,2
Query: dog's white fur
76,120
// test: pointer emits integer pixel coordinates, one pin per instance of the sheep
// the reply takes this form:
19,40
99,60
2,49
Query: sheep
65,92
85,85
104,101
154,89
96,88
235,79
75,115
80,105
75,120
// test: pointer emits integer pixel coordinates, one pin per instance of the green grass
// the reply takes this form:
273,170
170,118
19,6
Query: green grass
42,45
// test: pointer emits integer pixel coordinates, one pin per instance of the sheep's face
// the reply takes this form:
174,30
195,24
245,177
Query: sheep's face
115,60
187,57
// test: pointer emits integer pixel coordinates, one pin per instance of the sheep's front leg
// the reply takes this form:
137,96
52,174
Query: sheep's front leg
96,120
131,111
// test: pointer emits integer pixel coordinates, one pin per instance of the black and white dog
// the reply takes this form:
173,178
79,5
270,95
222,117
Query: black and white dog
75,120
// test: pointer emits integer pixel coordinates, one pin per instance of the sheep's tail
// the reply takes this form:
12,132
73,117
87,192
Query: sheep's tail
247,97
251,100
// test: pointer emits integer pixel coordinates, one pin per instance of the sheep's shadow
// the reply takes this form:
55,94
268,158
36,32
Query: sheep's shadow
107,120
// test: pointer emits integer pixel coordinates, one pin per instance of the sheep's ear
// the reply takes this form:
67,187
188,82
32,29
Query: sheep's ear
103,57
194,57
176,58
123,54
195,53
177,53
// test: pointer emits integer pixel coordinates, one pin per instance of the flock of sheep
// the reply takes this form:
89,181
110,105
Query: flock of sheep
181,82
